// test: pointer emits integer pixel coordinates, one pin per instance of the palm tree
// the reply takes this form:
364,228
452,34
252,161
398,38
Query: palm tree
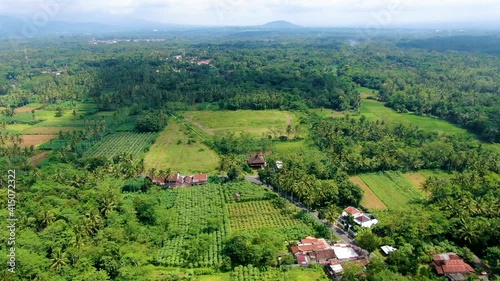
58,259
107,205
59,176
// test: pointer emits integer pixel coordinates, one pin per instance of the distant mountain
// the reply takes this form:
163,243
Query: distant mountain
20,27
280,24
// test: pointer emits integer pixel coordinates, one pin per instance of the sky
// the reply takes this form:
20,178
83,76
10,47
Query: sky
359,13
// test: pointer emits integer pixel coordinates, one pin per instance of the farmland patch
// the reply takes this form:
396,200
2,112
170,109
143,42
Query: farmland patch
392,188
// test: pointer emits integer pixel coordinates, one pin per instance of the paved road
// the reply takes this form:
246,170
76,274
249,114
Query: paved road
338,231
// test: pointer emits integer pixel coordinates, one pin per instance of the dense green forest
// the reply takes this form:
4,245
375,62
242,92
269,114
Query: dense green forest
96,111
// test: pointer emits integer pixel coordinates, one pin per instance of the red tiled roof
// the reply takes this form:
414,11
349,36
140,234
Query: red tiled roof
200,177
353,211
309,240
450,263
302,259
173,177
324,254
157,179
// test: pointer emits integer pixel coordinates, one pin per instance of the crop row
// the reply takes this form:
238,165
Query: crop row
193,209
258,214
118,143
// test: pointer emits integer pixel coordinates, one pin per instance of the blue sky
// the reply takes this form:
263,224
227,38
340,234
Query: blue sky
380,13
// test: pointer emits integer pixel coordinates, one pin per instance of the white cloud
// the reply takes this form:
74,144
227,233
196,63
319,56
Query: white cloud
230,12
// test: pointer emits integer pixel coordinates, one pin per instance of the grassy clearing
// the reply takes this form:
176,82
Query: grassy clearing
118,143
375,110
251,121
17,128
370,199
291,147
328,113
175,149
392,188
49,130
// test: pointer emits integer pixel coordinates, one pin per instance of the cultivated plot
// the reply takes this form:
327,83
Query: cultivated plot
176,150
370,200
392,188
117,143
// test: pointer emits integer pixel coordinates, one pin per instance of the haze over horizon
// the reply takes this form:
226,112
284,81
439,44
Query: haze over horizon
359,13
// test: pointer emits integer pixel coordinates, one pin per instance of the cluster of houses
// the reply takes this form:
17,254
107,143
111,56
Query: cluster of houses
313,250
178,180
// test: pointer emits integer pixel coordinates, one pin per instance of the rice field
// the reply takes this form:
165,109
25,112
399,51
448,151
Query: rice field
393,189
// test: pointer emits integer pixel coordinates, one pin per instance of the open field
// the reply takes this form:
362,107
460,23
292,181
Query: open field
375,110
180,152
44,122
49,130
292,147
393,189
254,122
370,199
118,143
35,140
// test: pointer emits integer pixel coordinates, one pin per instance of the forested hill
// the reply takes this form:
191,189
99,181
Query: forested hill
475,44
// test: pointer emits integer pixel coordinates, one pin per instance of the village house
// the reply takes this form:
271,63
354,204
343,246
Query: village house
312,250
359,218
257,161
178,180
452,266
317,250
